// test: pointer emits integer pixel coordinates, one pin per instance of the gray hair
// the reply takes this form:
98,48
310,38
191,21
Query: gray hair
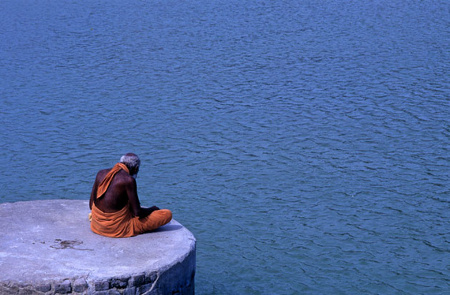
131,160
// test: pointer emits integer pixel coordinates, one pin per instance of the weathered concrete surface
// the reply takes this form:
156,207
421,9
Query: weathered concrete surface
47,247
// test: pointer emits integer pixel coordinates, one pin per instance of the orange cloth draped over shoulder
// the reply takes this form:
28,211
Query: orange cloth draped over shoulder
103,186
122,224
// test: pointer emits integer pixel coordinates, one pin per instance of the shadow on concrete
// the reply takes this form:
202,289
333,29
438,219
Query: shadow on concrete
168,227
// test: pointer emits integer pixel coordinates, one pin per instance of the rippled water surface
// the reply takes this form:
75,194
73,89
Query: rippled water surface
304,143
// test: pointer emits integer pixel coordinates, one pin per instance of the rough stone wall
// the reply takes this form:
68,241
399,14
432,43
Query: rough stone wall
178,279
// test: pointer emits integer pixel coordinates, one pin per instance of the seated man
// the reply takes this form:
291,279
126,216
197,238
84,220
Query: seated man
116,211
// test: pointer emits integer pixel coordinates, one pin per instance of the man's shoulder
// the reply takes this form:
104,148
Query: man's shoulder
124,177
102,173
121,176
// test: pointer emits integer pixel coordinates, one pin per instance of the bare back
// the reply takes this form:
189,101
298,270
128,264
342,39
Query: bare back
117,195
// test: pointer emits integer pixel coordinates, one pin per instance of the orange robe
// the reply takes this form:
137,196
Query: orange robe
122,223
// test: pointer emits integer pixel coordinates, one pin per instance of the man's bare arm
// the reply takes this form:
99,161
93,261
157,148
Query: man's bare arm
93,192
135,205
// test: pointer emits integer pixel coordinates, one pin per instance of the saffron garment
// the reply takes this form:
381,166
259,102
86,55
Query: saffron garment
122,223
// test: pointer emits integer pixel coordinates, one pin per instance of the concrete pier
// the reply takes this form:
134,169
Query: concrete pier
47,247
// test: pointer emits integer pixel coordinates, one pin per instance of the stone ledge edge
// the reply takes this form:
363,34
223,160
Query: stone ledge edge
146,283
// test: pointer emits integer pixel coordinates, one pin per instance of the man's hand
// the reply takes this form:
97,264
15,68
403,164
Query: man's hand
154,208
144,212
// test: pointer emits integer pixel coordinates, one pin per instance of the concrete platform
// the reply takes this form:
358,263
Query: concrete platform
47,247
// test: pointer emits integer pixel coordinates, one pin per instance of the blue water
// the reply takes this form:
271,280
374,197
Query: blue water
304,143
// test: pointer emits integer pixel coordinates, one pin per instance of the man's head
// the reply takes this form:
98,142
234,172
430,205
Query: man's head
133,162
